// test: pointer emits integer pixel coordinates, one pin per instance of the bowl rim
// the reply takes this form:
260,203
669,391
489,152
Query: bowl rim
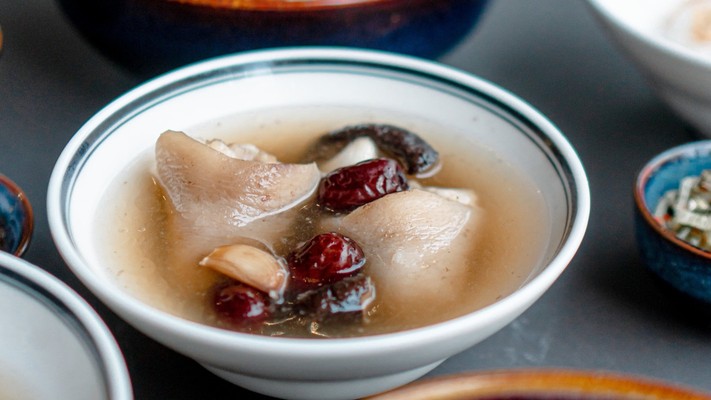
333,347
540,381
646,172
659,42
78,316
282,5
28,223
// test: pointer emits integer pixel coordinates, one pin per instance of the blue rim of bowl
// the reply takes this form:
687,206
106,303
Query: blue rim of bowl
538,129
27,227
688,150
78,317
659,42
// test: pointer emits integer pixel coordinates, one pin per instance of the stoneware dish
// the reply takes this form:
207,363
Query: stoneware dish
666,40
540,384
52,343
150,36
16,218
678,264
299,79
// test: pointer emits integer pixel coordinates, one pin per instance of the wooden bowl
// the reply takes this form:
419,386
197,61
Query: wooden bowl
542,384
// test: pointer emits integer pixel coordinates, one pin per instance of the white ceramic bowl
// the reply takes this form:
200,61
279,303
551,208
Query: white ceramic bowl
52,343
653,35
210,91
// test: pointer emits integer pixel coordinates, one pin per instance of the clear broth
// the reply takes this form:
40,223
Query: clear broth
511,249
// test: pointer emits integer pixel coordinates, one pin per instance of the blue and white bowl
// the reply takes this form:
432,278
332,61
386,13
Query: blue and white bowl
53,345
307,77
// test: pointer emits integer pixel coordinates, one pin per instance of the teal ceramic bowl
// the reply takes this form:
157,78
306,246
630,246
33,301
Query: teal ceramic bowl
678,264
16,218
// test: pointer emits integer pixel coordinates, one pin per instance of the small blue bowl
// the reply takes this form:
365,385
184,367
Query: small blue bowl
16,218
683,267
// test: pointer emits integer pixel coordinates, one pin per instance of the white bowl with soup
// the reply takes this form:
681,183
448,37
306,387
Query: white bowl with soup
670,43
53,345
139,200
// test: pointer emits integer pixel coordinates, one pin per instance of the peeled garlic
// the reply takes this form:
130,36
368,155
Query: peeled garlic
249,265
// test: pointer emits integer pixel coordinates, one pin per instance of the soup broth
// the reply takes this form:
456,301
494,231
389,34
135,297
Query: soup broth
509,248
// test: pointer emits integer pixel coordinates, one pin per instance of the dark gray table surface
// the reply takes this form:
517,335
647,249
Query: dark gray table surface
604,313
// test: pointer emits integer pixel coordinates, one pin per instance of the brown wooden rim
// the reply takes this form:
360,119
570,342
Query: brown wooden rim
279,5
532,382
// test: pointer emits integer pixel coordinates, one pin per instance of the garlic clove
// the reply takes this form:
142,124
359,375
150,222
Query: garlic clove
249,265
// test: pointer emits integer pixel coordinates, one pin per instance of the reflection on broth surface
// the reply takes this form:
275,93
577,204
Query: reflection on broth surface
505,245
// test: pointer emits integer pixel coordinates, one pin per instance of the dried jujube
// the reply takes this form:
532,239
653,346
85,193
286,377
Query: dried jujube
348,188
325,259
347,299
241,305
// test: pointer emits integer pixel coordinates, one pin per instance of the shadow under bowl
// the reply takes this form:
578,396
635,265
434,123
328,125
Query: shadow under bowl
542,384
16,218
151,37
678,264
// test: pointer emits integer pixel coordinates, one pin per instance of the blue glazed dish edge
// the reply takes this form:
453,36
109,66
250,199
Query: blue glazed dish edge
685,268
16,218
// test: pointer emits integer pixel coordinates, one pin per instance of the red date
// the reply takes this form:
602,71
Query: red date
325,259
241,305
345,300
348,188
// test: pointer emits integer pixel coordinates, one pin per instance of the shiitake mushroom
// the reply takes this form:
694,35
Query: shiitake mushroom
410,150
